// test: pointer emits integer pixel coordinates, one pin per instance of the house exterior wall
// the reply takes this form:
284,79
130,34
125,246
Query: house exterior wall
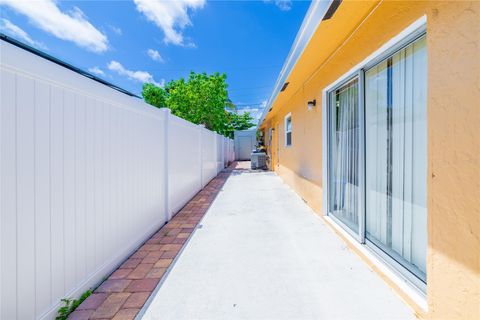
453,107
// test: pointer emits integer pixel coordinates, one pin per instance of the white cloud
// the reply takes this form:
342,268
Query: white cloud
115,30
155,55
141,76
170,16
71,26
96,70
283,5
255,111
15,31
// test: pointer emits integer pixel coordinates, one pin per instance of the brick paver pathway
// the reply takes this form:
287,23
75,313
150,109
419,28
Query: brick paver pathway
126,290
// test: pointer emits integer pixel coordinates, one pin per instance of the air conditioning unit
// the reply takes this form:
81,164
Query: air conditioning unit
258,160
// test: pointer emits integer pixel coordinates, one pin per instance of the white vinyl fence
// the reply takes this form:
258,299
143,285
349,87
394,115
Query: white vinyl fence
87,174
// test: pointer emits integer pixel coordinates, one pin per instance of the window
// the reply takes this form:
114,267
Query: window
377,156
288,130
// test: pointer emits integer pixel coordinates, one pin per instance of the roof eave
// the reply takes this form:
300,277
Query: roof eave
310,23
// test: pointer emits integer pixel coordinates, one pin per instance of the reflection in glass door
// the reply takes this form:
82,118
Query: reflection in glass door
344,154
396,156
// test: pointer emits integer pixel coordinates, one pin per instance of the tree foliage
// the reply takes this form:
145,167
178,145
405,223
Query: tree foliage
239,121
201,99
154,95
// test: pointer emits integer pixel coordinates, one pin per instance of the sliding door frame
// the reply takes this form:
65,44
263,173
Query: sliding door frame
405,38
361,172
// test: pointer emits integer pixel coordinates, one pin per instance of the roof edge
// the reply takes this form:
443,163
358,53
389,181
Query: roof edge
312,20
64,64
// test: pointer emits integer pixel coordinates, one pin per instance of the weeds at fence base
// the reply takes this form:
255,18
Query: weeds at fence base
69,305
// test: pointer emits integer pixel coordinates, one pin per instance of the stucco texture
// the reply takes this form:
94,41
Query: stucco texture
453,43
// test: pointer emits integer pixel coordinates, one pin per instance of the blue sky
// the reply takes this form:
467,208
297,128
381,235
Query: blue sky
131,42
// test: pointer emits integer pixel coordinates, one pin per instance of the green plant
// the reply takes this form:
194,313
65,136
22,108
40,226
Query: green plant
201,99
237,121
69,305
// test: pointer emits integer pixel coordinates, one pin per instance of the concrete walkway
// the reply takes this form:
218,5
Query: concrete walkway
261,253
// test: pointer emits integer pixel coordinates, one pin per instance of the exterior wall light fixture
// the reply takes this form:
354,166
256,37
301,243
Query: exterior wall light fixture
311,104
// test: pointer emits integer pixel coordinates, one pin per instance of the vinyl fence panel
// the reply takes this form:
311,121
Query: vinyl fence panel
184,162
219,153
87,175
209,162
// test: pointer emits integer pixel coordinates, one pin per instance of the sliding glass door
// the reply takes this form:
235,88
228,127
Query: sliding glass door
377,161
396,156
344,165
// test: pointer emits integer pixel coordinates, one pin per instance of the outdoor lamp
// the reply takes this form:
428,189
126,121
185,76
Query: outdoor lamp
311,104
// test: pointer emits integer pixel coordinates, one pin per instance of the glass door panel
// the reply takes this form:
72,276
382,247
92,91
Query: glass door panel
396,156
344,155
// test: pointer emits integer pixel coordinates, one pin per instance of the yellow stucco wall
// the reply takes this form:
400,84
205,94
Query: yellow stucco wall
453,43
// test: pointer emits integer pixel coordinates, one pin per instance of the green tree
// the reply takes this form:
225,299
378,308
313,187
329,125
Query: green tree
156,96
201,99
238,122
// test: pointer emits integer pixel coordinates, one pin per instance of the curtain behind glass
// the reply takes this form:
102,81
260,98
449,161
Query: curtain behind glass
396,156
344,135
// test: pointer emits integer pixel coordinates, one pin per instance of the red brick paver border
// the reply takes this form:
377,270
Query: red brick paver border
127,289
